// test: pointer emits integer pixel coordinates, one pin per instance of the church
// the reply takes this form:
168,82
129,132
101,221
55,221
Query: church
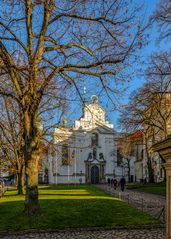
86,152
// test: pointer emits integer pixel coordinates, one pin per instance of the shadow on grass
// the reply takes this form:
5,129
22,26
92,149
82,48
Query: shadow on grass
13,195
61,214
60,187
11,189
65,194
67,187
67,207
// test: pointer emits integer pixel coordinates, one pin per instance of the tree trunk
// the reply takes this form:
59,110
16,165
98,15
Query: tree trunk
149,165
31,200
20,181
16,180
32,136
150,171
129,171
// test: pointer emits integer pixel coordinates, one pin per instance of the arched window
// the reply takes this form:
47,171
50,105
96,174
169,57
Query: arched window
94,140
65,154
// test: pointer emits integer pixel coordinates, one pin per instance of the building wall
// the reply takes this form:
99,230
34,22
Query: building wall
82,161
76,171
72,173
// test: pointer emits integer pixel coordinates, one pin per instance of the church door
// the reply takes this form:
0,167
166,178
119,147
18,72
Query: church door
94,175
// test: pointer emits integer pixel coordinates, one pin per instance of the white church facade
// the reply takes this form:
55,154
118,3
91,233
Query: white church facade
86,152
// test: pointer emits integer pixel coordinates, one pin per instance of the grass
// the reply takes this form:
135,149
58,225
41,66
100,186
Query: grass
154,188
69,207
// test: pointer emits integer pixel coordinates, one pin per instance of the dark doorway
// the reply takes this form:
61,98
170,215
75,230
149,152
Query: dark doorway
94,175
132,179
40,178
46,177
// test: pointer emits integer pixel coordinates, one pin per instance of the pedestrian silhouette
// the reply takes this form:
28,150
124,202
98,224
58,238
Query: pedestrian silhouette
112,182
115,183
108,181
122,183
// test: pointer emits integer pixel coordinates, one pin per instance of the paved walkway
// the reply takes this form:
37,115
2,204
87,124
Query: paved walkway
150,203
94,234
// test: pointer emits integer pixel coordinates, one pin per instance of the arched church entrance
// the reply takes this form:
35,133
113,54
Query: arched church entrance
94,175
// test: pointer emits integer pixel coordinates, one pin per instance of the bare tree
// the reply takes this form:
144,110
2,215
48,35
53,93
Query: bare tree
149,106
12,159
163,18
65,42
125,148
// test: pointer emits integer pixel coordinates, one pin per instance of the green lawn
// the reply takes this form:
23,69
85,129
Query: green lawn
69,207
155,188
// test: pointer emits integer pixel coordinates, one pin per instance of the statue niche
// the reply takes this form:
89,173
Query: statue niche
94,140
101,157
94,153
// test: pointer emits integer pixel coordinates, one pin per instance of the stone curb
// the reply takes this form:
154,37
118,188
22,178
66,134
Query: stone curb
129,227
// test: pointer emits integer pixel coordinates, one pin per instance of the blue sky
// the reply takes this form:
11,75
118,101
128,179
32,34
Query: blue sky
149,6
153,46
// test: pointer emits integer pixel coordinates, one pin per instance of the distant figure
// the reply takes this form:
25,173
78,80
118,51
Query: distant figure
122,183
145,181
108,181
115,183
112,181
80,180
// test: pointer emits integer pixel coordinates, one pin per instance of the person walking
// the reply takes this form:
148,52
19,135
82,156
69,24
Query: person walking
112,183
108,181
122,183
115,183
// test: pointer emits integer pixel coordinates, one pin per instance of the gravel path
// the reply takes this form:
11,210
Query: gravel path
150,203
157,233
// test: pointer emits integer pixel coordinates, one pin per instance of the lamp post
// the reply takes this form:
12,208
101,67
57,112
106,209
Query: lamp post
80,180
